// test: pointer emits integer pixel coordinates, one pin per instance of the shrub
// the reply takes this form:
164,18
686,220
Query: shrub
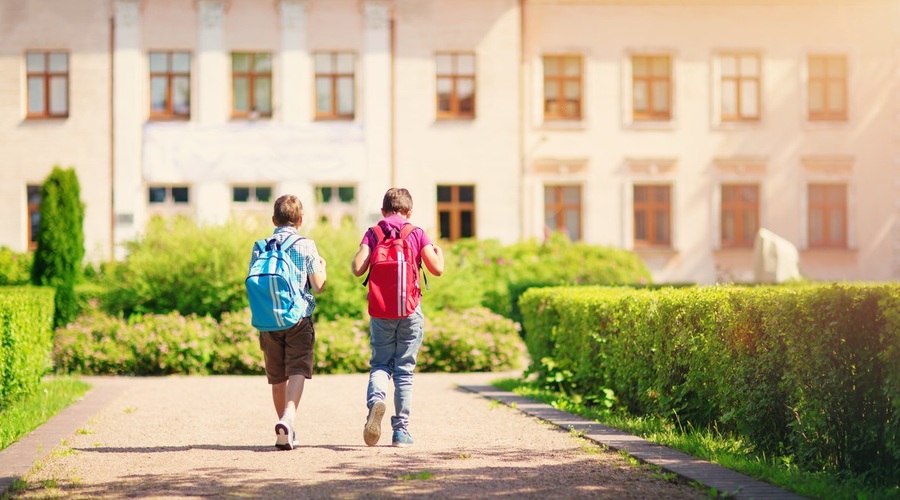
60,241
179,266
99,344
473,340
343,295
15,268
804,371
26,341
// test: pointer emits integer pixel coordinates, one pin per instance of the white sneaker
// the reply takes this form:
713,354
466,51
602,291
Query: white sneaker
372,430
285,438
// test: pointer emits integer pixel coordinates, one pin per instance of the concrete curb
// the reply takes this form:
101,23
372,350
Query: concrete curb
727,481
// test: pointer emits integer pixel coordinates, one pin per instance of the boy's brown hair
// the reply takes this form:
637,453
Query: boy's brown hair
288,211
397,201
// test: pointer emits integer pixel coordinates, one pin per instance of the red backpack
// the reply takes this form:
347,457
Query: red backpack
393,288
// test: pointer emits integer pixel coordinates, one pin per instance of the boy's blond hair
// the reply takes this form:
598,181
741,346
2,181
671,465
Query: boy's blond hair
288,211
397,201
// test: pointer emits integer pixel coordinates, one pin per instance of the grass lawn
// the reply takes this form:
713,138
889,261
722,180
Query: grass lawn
52,396
717,447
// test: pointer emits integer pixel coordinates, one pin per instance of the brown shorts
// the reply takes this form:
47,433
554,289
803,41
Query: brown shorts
289,352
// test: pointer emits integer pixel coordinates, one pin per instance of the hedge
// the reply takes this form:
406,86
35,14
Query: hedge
811,372
26,340
161,344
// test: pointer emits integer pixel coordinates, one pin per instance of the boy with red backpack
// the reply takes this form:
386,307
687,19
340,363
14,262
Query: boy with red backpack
392,252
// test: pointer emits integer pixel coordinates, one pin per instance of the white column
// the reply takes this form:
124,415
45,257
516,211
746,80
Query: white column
295,91
128,112
212,98
376,109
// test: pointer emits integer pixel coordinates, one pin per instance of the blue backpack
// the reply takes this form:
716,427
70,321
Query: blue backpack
272,286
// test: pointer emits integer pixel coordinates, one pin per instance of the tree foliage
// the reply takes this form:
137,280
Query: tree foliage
60,240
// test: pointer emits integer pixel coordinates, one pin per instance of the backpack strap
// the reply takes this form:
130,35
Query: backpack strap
272,243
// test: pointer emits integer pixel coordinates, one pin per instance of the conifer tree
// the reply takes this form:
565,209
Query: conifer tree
60,241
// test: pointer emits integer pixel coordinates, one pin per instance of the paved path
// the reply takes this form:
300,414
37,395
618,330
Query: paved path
180,437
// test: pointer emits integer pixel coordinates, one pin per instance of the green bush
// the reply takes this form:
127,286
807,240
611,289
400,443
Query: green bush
805,371
472,340
556,262
60,241
344,295
15,268
26,340
179,266
99,344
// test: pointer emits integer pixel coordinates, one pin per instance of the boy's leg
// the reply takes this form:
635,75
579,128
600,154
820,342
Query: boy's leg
383,341
409,339
299,342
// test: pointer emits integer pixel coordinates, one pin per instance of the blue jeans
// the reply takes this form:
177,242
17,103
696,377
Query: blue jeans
395,344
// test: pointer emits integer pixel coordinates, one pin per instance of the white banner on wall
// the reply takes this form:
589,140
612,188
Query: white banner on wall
252,152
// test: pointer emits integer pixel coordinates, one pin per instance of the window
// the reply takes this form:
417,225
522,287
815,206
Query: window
251,194
455,85
161,196
34,214
652,216
335,85
48,84
827,215
562,87
336,204
827,87
456,212
651,87
740,87
170,84
562,210
740,215
251,84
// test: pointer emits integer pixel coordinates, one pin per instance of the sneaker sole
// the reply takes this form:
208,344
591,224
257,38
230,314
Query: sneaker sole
372,431
283,437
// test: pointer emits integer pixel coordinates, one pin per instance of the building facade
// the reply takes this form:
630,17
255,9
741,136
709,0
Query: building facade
676,129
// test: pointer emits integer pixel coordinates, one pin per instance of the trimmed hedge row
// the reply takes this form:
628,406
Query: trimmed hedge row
811,372
26,340
152,344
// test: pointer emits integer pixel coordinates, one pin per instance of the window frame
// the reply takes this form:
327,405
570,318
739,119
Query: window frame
561,81
46,75
826,115
170,75
252,76
455,77
739,78
559,207
455,208
739,208
649,207
825,208
650,115
334,77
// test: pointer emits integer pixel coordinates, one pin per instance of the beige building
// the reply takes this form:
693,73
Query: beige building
673,128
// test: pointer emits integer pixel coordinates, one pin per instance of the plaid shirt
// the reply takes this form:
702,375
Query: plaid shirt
305,256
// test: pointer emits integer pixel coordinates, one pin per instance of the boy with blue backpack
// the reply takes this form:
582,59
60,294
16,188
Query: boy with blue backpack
392,252
285,269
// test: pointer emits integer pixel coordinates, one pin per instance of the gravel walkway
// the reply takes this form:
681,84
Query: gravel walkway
180,437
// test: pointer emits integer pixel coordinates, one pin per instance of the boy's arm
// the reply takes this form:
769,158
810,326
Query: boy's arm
360,263
317,274
433,257
317,280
